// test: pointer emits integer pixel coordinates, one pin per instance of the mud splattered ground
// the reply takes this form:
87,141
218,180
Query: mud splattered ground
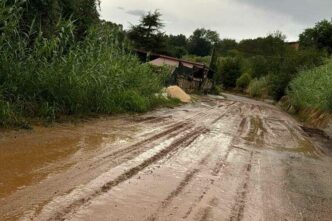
233,159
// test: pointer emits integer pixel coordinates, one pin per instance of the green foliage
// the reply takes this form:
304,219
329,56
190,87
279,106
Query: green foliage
272,45
312,88
147,34
201,42
285,69
45,14
7,115
176,45
193,58
319,37
225,47
243,81
259,87
58,75
228,71
217,90
259,66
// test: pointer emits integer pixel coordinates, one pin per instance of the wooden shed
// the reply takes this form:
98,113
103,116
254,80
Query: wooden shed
190,76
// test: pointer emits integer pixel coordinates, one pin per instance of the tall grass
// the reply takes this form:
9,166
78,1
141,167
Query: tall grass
313,88
259,87
50,77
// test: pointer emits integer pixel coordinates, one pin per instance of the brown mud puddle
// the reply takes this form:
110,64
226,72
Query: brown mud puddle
27,157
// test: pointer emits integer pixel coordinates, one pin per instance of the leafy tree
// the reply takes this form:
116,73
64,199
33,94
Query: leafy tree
176,45
272,45
228,71
178,40
285,69
259,66
147,34
201,42
319,37
224,46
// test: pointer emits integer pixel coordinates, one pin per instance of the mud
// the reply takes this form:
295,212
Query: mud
216,159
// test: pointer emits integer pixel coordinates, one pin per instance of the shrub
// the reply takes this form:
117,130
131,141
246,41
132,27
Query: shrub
312,88
259,66
228,71
243,81
258,87
216,89
286,68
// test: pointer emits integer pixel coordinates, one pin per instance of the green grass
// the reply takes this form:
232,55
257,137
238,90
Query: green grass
47,78
313,88
258,87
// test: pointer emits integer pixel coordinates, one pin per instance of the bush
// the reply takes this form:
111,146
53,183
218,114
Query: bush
286,68
313,88
50,77
228,71
243,81
259,66
216,89
259,87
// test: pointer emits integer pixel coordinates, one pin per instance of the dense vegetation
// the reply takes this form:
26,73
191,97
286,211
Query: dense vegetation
58,58
261,67
47,75
319,37
313,88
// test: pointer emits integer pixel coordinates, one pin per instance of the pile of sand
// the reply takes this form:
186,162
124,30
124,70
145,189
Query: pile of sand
177,92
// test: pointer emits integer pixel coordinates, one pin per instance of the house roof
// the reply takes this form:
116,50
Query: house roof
161,60
169,62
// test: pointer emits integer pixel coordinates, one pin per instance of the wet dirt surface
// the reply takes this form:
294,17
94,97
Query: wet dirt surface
216,159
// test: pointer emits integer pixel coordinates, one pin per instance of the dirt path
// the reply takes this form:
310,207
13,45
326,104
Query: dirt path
234,159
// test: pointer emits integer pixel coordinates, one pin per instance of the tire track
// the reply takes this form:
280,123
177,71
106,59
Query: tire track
215,172
179,189
237,210
221,163
173,130
170,131
175,145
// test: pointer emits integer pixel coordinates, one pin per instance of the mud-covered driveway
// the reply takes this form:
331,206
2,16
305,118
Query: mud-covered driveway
217,159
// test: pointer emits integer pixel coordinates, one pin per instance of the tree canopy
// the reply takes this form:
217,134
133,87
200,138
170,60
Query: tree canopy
147,34
201,42
319,37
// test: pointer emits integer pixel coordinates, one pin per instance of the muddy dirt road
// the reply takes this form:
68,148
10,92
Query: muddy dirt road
217,159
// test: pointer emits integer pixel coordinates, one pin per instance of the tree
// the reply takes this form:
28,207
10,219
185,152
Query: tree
319,37
147,34
201,42
228,71
224,46
176,45
272,45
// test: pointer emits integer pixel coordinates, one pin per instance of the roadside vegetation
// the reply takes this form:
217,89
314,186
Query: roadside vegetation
313,88
263,67
46,74
60,59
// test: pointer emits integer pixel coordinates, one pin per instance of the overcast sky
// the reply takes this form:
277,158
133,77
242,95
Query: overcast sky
237,19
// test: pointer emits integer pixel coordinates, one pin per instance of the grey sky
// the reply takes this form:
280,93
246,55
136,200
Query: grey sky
236,19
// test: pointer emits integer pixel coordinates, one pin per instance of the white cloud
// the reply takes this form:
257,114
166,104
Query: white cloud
231,18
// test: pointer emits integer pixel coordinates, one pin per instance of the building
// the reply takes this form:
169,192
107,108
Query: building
190,76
